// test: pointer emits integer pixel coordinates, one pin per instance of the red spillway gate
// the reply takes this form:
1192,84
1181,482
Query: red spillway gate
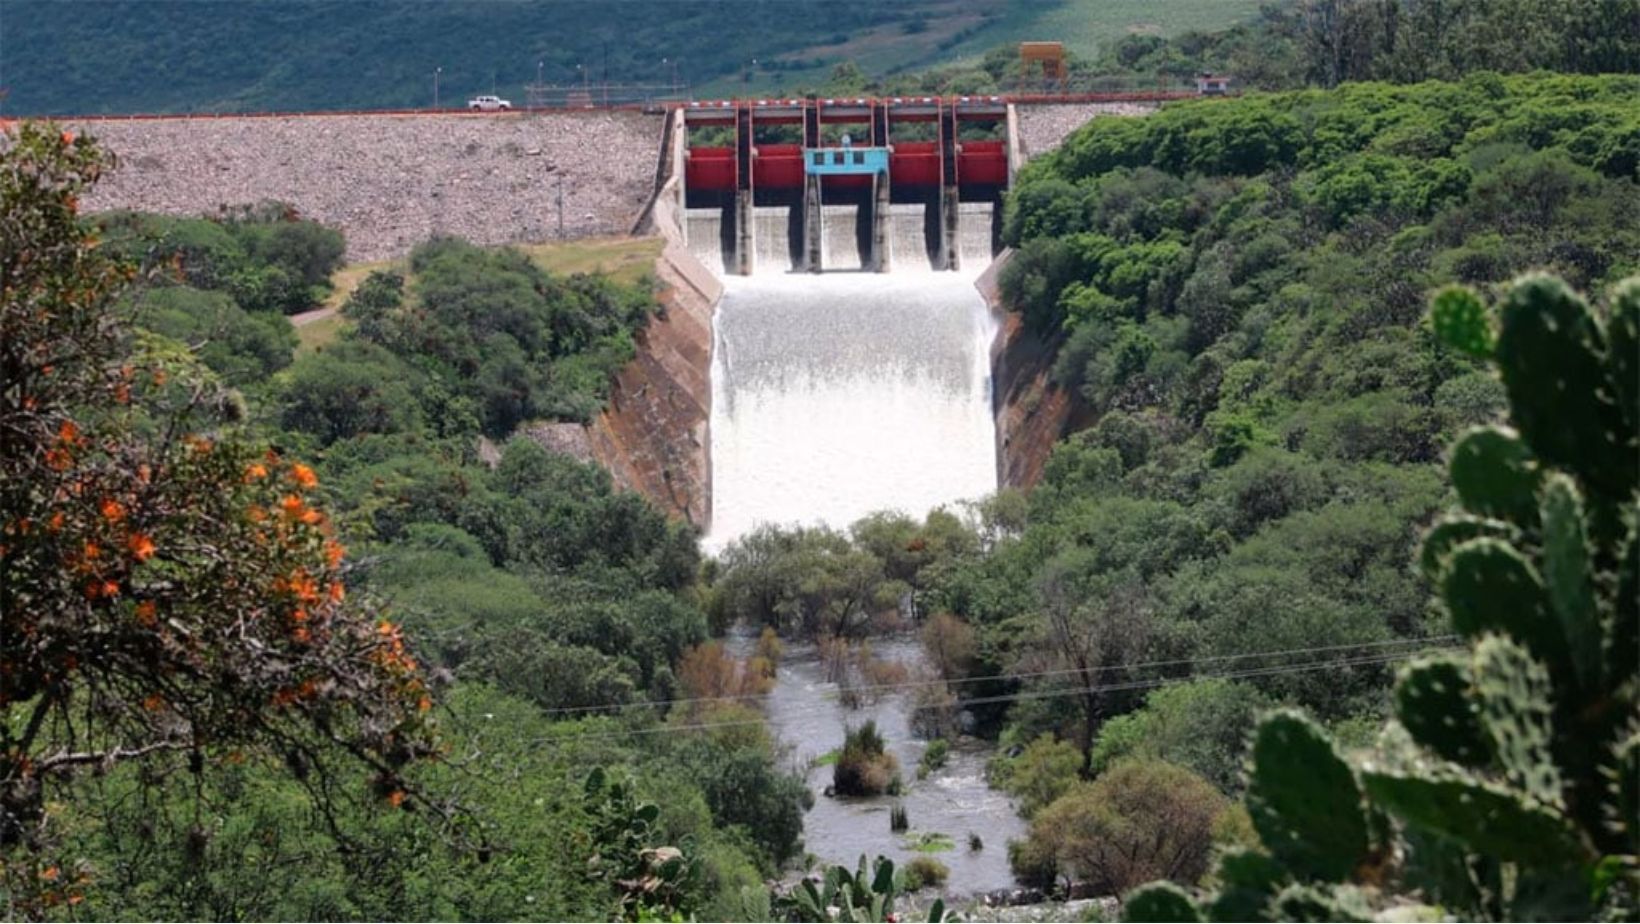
779,166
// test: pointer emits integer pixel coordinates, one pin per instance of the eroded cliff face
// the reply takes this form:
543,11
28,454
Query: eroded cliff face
1032,413
652,435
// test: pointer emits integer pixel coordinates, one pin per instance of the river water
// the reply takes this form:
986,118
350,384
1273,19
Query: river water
835,395
806,714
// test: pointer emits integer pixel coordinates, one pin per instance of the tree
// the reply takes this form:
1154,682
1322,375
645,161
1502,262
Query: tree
1092,626
1137,822
164,594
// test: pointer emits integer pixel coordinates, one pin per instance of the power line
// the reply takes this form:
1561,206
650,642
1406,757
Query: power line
1268,670
1029,675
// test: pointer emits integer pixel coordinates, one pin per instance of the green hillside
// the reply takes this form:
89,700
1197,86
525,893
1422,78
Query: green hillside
72,56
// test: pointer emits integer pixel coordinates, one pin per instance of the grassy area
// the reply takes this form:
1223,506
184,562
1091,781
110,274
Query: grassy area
628,259
958,32
320,333
929,842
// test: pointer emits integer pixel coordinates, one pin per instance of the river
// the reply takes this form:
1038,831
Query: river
806,715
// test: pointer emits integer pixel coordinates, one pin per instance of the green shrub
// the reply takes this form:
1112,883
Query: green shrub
864,768
925,873
933,757
1042,773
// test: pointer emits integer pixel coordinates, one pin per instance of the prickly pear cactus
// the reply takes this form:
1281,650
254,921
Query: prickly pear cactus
1512,771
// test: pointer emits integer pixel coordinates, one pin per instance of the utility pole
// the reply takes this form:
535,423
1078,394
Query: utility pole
436,71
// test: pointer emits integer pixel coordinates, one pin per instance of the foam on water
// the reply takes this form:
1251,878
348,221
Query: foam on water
839,394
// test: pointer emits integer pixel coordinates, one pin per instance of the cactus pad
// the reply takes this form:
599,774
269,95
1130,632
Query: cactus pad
1514,694
1569,575
1159,901
1454,531
1496,475
1249,880
1491,820
1432,702
1551,353
1459,319
1490,587
1623,354
1623,634
1304,799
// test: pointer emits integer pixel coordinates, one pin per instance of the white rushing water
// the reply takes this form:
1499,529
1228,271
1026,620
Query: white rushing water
838,394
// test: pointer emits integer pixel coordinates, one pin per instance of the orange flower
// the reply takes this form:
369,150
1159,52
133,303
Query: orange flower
159,377
312,517
256,513
110,589
58,460
112,510
122,393
255,472
396,798
146,613
303,475
91,551
334,552
154,703
142,547
292,505
336,591
68,138
68,432
300,634
50,873
424,704
55,525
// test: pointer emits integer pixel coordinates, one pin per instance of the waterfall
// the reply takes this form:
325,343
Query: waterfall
773,239
704,230
842,393
974,234
908,236
840,237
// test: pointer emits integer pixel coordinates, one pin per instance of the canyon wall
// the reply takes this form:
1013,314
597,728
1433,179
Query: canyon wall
652,437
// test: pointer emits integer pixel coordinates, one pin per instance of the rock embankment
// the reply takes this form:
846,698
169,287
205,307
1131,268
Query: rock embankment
391,181
1043,127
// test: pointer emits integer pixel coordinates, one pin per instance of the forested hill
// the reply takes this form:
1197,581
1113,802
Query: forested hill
178,56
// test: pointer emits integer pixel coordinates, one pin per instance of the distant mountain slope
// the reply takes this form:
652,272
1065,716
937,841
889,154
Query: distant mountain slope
103,56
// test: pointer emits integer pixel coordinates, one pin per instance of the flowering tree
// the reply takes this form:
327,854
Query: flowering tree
167,593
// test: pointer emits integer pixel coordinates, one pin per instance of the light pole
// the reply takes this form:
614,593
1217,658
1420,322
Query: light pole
436,71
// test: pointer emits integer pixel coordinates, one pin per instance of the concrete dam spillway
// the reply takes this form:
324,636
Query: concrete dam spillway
842,393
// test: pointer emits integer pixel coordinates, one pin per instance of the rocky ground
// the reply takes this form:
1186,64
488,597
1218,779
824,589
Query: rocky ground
389,182
1042,128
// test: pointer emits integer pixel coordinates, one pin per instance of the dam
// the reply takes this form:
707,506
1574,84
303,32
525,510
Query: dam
851,349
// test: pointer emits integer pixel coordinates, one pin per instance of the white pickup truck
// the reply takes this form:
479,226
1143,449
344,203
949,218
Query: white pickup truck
489,104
